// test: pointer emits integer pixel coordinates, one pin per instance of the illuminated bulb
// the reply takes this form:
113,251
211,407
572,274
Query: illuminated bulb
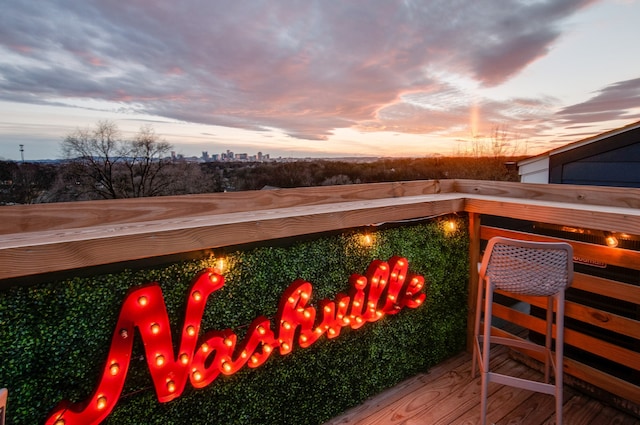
327,309
197,376
383,282
101,402
226,366
114,369
450,226
342,304
228,342
383,267
304,296
418,301
244,354
391,297
286,325
394,275
291,300
261,330
375,280
356,303
205,347
285,346
191,331
303,338
379,314
197,296
367,240
59,422
213,278
359,319
159,360
155,328
267,348
401,263
184,358
254,359
142,301
221,264
332,331
400,277
610,240
171,386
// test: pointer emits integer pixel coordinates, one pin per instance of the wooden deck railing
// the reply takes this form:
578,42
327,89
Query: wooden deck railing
38,239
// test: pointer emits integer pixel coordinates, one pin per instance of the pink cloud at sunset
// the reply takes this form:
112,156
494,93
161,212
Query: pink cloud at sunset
316,77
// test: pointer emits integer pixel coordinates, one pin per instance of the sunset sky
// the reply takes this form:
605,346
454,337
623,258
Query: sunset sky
318,78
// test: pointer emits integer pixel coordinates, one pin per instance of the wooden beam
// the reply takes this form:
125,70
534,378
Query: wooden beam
48,251
474,258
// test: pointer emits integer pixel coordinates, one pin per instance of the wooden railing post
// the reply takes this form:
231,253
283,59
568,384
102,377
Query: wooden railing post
474,258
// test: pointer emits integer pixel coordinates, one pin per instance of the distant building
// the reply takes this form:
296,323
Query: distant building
205,155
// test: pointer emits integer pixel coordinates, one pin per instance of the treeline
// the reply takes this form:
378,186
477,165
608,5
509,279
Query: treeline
26,183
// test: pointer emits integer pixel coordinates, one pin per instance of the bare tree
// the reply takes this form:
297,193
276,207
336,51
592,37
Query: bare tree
94,154
106,165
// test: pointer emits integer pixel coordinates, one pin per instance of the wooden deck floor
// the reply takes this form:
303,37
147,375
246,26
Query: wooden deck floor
447,395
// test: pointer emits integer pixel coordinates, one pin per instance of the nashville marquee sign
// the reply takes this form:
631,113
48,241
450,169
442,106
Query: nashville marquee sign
386,288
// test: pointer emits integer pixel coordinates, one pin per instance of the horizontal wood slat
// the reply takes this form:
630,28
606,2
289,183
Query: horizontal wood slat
564,193
593,345
593,316
613,256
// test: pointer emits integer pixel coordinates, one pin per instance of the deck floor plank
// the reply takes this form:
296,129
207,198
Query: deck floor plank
448,395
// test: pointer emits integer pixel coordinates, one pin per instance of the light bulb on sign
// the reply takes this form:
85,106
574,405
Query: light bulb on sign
610,240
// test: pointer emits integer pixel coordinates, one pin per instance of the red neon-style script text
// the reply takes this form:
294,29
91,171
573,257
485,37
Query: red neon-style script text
386,288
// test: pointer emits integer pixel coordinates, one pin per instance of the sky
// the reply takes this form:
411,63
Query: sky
319,78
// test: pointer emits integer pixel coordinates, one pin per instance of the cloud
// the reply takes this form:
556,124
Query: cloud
616,101
306,68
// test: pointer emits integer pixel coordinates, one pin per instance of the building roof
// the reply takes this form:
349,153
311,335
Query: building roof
581,143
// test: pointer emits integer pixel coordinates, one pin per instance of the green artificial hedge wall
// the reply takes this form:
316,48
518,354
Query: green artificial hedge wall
54,336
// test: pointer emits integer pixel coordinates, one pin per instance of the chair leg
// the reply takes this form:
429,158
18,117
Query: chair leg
476,331
486,346
548,339
559,372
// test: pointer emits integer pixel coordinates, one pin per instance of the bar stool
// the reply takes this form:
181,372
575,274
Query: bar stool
541,269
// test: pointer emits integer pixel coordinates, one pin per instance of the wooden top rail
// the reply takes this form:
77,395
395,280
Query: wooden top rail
54,237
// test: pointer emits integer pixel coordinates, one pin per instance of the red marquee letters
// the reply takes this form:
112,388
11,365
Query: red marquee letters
385,289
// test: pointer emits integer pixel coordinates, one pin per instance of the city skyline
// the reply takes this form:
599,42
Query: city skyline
319,79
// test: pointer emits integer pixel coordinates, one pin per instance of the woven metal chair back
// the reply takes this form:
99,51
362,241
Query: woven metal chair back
530,268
